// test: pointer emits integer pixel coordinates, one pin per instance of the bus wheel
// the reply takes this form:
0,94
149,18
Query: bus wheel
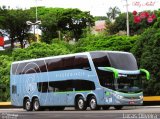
118,107
36,104
105,107
28,105
80,104
93,103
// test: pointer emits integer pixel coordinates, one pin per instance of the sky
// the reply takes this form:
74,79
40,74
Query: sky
96,7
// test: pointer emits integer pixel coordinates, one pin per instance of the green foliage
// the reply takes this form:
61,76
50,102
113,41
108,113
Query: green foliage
119,43
38,50
14,23
5,62
147,52
60,19
7,52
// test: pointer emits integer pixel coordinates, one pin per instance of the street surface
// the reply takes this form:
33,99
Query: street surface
134,112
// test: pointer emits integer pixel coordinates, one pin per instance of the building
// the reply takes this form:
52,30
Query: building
99,27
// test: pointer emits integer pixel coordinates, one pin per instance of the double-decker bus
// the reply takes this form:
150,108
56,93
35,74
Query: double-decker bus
97,79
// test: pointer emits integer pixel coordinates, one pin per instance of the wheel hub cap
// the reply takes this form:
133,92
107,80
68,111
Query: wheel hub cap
36,105
80,104
28,105
93,103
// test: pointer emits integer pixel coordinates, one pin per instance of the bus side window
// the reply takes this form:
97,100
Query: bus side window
82,62
54,64
68,63
50,89
63,86
44,87
82,85
14,89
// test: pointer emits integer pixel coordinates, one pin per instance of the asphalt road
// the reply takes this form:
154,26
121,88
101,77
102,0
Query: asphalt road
143,112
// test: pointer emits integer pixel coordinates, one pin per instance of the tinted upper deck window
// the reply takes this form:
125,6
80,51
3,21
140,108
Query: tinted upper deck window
100,59
67,63
29,67
53,64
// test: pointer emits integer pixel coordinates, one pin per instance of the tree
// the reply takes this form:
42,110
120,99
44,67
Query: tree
63,20
75,20
113,13
53,20
14,22
5,62
147,52
135,28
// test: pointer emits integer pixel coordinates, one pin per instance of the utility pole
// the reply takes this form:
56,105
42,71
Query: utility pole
127,21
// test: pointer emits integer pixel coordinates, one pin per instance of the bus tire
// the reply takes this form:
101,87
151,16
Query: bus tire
118,107
93,103
28,105
36,105
106,107
80,104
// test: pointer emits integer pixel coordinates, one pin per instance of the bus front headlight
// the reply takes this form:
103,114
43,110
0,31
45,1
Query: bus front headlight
141,97
119,97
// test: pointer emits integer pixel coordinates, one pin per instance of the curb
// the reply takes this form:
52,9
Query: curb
151,98
5,105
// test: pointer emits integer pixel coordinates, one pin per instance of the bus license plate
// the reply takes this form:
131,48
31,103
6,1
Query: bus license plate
131,102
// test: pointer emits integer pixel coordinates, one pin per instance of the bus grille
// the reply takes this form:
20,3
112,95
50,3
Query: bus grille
131,98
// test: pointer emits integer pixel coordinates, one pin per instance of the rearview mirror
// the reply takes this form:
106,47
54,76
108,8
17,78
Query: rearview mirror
145,72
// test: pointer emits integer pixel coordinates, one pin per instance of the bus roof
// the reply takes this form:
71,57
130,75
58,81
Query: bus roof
59,56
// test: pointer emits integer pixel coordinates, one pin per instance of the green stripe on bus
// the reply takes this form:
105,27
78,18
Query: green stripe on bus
72,91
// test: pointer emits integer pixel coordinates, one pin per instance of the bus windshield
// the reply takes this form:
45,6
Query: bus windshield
129,83
124,83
